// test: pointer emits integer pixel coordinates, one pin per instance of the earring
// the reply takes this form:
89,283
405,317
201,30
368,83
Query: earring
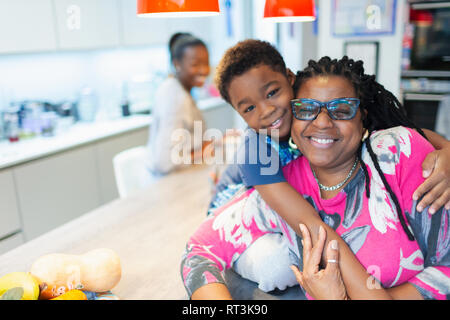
365,135
292,144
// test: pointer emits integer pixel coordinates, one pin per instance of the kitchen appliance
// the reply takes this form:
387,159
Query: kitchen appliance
423,93
425,79
430,31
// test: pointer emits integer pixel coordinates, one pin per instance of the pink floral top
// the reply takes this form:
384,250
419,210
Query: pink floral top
370,226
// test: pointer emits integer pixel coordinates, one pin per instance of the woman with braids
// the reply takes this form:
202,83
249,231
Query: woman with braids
354,135
360,166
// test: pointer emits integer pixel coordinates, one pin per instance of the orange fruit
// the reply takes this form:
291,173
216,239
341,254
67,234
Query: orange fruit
49,292
74,294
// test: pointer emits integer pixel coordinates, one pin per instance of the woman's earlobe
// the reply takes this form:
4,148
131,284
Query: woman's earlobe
292,143
176,64
365,135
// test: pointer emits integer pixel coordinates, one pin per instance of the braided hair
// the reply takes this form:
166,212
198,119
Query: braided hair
383,110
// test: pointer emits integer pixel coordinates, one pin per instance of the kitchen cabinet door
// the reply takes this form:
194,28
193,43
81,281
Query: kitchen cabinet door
106,150
87,24
9,212
142,31
56,189
11,242
220,117
26,26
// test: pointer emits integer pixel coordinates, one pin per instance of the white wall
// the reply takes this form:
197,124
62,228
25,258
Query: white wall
240,28
298,44
59,76
389,59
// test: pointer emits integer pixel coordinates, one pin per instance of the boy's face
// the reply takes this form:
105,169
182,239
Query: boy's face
262,97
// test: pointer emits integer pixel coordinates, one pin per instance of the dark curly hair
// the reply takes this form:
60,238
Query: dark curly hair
382,109
244,56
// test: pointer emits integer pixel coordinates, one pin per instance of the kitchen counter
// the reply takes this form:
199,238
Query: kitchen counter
148,230
82,133
77,135
48,181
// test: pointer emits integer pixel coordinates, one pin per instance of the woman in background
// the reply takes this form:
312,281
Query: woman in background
175,112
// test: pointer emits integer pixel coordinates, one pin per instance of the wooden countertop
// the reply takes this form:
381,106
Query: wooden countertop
148,230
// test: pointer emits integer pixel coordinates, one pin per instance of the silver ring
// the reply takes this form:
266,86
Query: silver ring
332,261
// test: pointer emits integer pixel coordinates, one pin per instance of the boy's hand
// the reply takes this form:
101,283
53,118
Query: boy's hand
436,187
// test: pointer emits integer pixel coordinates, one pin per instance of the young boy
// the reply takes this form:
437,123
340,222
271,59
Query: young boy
253,78
265,106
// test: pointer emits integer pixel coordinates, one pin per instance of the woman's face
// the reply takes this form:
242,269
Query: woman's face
328,143
193,68
262,97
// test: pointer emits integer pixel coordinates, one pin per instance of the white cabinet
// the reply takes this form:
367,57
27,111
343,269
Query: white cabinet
105,152
26,26
56,189
220,117
47,25
61,187
9,212
86,24
141,31
11,242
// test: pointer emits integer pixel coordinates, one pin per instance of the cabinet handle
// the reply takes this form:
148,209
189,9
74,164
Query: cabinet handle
9,235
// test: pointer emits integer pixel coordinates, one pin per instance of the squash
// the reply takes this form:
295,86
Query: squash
98,270
72,295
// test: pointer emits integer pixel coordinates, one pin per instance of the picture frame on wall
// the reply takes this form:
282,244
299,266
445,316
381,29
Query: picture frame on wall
363,17
367,51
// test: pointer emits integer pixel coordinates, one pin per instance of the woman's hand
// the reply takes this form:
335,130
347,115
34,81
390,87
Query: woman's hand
436,187
325,284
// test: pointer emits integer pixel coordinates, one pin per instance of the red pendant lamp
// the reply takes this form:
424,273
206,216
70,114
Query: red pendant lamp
177,8
289,10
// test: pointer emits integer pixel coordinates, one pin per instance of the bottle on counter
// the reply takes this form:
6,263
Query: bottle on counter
125,103
30,121
87,105
48,122
11,123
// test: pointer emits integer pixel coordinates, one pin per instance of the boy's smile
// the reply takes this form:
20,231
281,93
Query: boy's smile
262,97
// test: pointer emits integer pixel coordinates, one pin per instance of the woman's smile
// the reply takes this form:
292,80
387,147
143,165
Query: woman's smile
322,142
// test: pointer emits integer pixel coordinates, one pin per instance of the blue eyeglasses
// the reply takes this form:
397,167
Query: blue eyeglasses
338,109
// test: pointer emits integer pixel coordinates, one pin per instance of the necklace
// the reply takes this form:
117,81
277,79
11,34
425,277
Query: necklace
337,186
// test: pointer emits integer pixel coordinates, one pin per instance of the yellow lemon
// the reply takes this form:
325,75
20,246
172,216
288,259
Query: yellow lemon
23,280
